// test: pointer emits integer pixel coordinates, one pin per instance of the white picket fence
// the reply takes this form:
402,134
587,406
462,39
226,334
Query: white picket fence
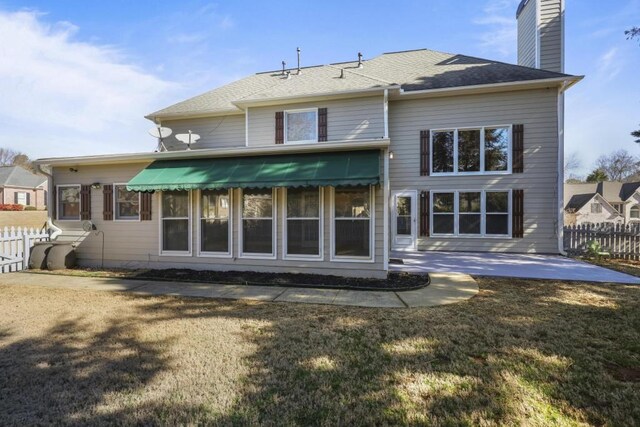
15,247
620,240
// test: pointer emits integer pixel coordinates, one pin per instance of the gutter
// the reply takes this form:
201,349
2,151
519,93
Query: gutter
241,151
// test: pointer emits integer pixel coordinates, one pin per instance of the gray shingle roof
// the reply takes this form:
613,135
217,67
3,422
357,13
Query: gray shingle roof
412,70
611,191
577,201
16,176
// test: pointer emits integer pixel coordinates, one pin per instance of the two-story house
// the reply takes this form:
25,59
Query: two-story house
328,169
610,202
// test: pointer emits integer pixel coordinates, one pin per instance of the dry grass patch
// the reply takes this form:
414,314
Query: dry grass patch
521,352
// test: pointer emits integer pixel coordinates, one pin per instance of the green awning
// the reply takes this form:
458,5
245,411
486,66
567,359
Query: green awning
349,168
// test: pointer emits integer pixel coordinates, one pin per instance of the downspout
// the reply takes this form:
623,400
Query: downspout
54,231
386,183
560,221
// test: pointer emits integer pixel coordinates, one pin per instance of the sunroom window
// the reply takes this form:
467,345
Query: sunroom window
303,222
257,222
352,222
214,221
301,126
175,221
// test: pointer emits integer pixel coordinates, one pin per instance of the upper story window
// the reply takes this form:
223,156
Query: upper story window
596,208
301,126
634,212
471,151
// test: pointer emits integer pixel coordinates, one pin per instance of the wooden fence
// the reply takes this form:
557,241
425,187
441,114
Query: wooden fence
620,240
15,247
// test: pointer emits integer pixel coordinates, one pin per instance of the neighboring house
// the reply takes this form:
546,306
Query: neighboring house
326,169
22,187
609,201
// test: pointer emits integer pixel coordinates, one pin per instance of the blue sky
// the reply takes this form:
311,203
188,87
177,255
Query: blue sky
77,77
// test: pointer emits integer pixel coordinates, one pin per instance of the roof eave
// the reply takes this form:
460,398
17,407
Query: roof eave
109,159
193,114
314,97
564,81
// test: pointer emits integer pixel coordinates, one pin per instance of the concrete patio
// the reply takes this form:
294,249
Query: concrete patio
445,288
525,266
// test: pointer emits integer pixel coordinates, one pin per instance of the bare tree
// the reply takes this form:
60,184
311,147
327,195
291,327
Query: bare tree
572,163
9,157
618,165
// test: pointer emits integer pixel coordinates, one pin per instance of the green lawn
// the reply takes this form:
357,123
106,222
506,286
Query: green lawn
520,352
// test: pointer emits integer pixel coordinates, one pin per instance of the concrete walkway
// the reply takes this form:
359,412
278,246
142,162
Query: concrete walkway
445,288
526,266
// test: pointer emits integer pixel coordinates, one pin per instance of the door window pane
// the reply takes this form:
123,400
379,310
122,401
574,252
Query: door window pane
469,150
127,203
352,222
69,202
496,149
257,222
403,215
442,147
214,221
303,221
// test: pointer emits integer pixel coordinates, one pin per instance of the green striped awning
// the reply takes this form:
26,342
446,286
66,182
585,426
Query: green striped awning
291,170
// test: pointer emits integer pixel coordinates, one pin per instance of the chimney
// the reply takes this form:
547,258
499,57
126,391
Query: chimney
541,34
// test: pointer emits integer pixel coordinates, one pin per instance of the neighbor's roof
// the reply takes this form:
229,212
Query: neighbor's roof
577,201
413,70
17,176
611,191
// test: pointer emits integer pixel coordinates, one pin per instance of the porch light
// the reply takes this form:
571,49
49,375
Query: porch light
391,155
96,185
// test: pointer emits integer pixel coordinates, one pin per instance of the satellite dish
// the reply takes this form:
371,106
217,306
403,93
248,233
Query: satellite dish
160,133
88,226
188,138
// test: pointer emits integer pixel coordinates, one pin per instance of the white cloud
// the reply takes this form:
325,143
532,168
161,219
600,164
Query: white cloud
500,36
63,97
610,64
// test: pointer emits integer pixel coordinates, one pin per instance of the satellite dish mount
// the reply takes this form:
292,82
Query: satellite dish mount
188,138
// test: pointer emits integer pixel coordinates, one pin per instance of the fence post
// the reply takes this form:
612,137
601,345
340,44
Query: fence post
26,250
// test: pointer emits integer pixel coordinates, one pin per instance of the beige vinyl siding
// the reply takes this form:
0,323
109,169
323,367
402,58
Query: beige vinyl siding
551,35
135,244
527,35
347,119
215,132
536,109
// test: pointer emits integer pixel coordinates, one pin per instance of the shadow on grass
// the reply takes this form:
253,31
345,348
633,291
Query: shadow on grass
530,352
63,376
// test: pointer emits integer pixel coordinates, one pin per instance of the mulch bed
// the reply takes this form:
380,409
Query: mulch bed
393,282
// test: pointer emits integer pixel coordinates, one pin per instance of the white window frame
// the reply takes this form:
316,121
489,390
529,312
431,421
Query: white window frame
596,207
372,227
301,110
274,217
482,151
208,254
115,204
78,186
189,228
483,214
302,257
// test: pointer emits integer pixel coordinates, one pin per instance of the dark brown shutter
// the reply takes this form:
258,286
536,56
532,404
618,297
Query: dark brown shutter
424,153
518,149
145,206
424,213
279,127
517,213
107,202
85,202
322,124
53,209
